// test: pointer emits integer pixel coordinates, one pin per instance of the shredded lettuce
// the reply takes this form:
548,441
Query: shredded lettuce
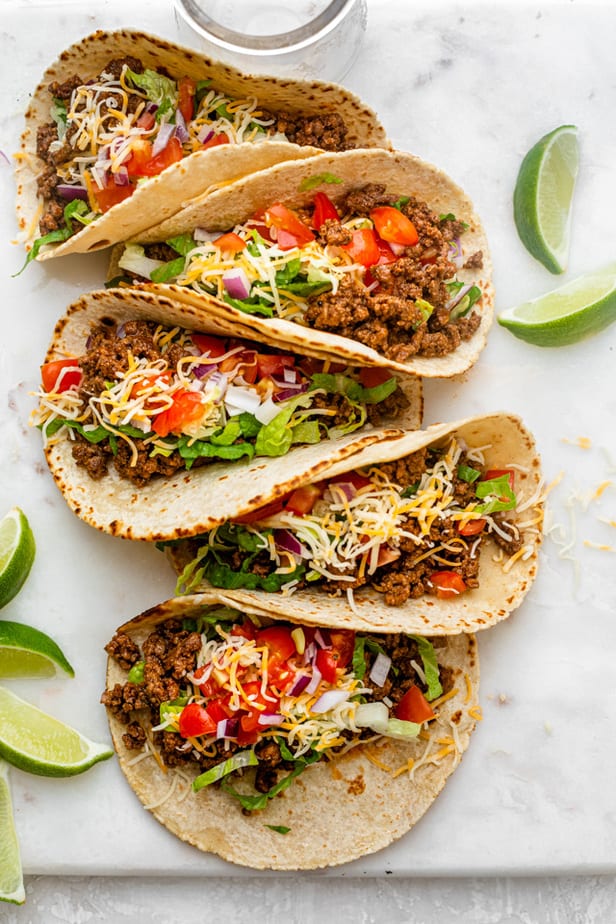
135,674
499,494
236,762
77,209
182,243
345,385
157,88
168,271
276,437
430,666
311,182
468,474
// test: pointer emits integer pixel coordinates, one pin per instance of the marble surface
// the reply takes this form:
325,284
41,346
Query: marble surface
469,86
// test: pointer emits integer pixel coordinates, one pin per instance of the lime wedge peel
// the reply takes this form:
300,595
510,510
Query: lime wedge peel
17,550
11,876
28,652
38,743
568,314
543,196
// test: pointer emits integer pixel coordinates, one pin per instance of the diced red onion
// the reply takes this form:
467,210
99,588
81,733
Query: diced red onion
380,669
205,134
321,637
69,192
315,680
227,728
309,653
290,375
152,108
269,719
286,393
349,490
163,137
120,178
397,249
236,283
121,331
289,543
203,371
330,699
455,252
299,685
181,132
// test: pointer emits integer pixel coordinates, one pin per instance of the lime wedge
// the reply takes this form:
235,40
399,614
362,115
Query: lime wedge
17,550
543,194
576,310
28,652
38,743
11,877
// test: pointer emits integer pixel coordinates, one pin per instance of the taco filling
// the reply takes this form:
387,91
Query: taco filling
108,135
374,268
222,692
151,400
406,528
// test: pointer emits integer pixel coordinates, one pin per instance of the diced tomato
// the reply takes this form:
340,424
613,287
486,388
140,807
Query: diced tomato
292,232
343,643
50,374
195,720
230,243
110,195
244,364
324,209
393,226
273,364
363,247
246,630
146,120
186,97
209,688
447,584
302,500
278,641
261,513
414,707
498,473
186,409
217,711
215,141
208,343
143,163
472,527
371,376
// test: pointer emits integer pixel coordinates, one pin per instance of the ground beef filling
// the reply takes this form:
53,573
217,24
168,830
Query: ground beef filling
325,130
170,653
389,320
107,357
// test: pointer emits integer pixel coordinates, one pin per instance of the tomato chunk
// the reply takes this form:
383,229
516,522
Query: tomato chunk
278,641
363,247
273,364
447,584
230,243
472,528
195,720
110,195
330,660
57,377
292,232
358,480
208,343
186,97
414,707
143,163
215,141
371,376
498,473
261,513
302,500
324,209
186,409
393,226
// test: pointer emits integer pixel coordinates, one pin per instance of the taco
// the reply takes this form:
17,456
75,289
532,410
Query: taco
125,128
158,423
436,531
371,255
280,745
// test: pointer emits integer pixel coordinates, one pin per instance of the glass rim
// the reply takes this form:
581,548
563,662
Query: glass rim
280,42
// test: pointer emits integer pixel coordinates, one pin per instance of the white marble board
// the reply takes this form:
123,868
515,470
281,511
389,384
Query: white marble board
469,86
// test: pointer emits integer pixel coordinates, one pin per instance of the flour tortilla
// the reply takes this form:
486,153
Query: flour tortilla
499,592
194,501
401,174
169,192
336,811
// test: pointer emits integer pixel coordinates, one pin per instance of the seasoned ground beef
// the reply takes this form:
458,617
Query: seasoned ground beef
65,89
123,650
116,65
408,470
326,131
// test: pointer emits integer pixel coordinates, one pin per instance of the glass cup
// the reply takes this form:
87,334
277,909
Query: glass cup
305,39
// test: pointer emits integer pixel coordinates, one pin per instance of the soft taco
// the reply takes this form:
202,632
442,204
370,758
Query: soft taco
436,531
280,745
125,128
159,423
371,255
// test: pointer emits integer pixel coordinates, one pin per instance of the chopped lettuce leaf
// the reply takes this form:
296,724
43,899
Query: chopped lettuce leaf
311,182
430,666
499,494
157,88
182,243
167,271
135,674
236,762
468,474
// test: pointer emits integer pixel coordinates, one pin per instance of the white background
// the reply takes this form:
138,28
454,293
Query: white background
470,87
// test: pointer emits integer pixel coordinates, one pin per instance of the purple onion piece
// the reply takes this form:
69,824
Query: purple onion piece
163,137
181,132
289,543
236,283
315,680
321,637
289,393
121,177
69,192
299,685
205,134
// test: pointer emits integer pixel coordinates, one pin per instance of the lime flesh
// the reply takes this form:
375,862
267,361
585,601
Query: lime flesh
566,315
27,652
38,743
17,549
543,195
11,877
